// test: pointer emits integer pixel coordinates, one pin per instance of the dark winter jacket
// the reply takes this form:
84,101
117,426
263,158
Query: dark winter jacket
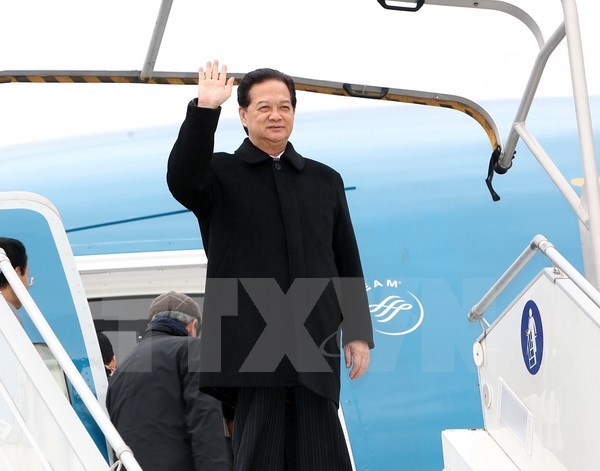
155,403
282,221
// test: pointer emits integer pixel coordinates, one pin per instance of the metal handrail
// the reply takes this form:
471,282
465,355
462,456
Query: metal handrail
157,35
503,7
553,172
505,161
586,141
19,419
122,451
538,244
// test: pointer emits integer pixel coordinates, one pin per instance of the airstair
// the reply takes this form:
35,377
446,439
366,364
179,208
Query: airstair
50,420
537,361
536,365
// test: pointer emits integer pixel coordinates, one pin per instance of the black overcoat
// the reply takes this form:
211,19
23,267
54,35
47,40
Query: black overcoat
263,219
155,403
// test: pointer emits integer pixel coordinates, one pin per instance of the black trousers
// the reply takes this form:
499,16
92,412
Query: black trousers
291,429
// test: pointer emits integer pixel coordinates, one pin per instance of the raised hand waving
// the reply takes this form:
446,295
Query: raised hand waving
213,86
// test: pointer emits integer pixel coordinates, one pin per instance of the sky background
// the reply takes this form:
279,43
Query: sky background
481,55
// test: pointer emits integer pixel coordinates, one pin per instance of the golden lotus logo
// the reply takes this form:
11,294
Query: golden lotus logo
396,311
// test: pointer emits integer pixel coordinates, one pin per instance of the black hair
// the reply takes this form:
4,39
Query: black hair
15,251
260,76
106,348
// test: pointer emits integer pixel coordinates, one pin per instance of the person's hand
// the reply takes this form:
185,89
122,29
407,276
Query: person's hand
213,87
357,355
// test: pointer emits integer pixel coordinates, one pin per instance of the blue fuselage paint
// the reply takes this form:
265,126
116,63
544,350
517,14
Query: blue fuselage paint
431,240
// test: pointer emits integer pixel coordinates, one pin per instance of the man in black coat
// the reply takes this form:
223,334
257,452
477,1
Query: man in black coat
154,399
283,274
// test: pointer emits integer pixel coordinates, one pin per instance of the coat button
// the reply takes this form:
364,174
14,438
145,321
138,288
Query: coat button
277,166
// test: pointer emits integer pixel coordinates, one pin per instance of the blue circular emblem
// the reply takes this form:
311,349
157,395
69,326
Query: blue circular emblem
532,337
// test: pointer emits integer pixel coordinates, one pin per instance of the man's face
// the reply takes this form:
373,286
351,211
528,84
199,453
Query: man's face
269,117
